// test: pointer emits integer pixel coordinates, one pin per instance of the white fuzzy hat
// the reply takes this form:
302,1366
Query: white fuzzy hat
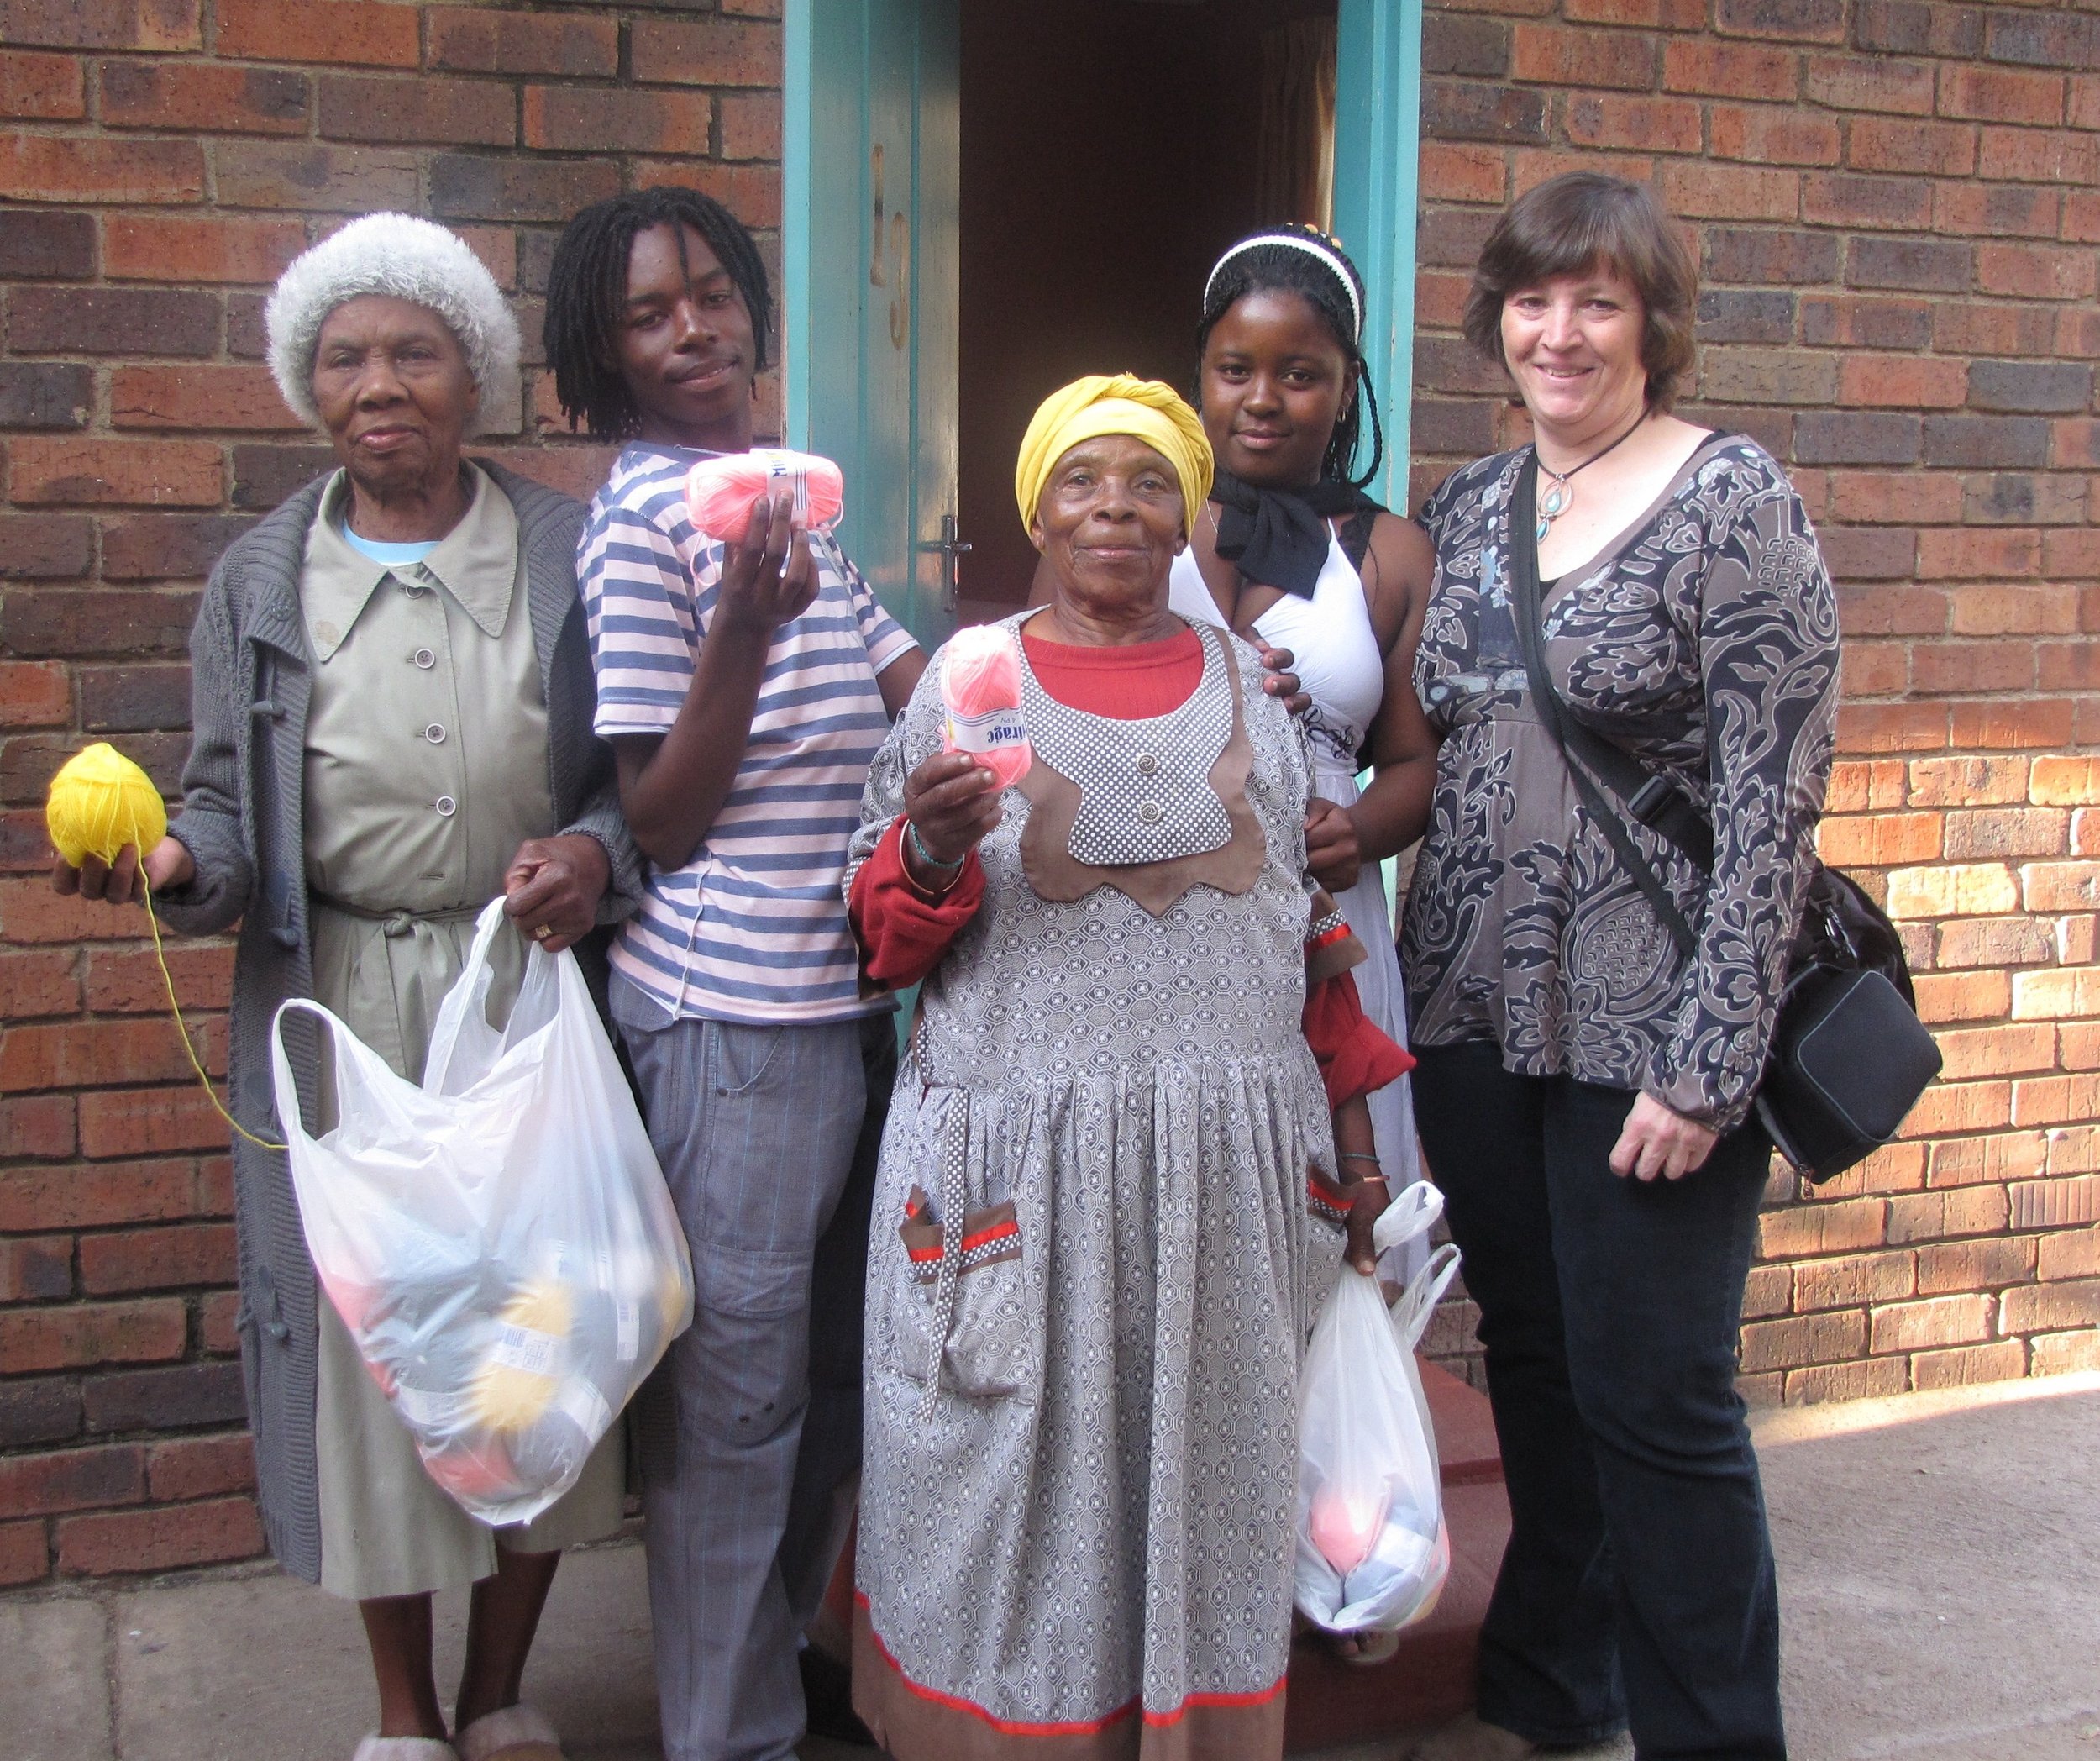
406,259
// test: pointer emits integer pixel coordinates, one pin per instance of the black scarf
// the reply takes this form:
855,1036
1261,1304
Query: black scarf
1278,537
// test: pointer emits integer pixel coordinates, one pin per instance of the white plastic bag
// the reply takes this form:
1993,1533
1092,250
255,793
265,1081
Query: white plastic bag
498,1240
1373,1549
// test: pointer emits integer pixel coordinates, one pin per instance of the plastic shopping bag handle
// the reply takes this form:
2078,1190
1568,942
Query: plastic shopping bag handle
1413,1211
469,990
289,1118
1424,1291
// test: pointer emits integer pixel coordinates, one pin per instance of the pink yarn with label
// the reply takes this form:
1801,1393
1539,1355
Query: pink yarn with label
980,686
721,492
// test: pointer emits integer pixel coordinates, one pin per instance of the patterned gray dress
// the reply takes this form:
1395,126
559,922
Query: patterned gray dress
1705,641
1078,1542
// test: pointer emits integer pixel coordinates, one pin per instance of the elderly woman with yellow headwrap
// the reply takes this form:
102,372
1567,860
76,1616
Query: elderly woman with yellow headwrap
1086,1284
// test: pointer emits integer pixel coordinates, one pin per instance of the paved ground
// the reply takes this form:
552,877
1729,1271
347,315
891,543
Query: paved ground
1939,1560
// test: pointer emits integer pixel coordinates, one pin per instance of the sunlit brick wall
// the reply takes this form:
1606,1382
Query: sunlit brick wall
1896,205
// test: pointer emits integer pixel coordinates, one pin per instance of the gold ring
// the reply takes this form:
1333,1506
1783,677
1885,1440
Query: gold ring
545,931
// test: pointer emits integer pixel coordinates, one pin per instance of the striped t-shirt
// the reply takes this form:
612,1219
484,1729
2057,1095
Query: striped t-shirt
753,927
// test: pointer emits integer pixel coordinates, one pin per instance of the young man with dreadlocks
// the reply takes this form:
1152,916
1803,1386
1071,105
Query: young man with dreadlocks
1291,551
745,689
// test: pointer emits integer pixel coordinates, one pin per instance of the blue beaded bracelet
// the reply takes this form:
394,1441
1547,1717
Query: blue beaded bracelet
927,856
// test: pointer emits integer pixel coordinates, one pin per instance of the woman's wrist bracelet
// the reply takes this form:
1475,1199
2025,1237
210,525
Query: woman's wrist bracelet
1361,1155
927,856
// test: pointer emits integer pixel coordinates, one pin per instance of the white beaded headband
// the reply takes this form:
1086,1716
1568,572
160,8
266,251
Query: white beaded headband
1330,259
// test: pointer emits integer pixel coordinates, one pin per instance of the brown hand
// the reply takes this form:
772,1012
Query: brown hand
116,883
1371,1200
1280,681
554,884
770,578
1331,850
953,801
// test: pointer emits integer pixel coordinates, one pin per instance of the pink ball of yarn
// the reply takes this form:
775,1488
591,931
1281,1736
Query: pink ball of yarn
980,685
1345,1524
721,492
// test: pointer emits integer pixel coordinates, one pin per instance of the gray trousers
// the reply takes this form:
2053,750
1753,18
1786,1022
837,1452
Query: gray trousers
748,1436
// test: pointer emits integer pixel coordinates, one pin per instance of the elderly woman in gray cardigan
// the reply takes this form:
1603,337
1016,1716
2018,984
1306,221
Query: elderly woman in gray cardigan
392,714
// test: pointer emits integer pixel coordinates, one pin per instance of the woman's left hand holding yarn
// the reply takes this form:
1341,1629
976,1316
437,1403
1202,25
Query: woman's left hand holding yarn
167,865
551,888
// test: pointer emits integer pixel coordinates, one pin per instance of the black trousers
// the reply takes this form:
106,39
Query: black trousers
1638,1588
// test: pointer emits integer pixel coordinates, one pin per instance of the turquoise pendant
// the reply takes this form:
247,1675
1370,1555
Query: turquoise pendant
1543,524
1554,503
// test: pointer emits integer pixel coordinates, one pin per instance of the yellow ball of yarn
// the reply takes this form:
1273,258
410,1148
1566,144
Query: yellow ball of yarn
512,1390
99,802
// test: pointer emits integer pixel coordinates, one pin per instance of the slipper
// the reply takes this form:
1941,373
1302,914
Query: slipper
376,1748
519,1732
1366,1650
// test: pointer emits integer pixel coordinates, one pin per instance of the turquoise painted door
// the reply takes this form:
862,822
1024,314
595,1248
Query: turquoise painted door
1377,138
871,256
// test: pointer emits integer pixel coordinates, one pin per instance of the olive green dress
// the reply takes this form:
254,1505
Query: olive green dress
426,767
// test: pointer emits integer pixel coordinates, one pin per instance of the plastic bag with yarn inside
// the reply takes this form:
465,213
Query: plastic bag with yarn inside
1373,1549
498,1238
722,491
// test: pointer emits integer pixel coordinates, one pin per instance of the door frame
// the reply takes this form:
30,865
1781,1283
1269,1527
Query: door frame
1378,133
858,145
1377,148
798,51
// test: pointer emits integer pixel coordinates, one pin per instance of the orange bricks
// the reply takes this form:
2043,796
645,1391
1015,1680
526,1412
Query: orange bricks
351,31
159,247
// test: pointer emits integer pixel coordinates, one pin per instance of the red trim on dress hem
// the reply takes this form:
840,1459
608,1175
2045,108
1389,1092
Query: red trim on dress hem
1259,1696
1086,1727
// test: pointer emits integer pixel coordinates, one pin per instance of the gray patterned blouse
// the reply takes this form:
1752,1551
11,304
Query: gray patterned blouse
1705,641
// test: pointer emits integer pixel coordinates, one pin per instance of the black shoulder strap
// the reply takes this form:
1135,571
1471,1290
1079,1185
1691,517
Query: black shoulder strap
1356,535
1584,750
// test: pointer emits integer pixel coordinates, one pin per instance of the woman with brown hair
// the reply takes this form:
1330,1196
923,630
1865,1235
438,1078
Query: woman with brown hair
1587,1083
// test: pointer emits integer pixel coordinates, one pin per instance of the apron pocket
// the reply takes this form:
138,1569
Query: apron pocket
987,1355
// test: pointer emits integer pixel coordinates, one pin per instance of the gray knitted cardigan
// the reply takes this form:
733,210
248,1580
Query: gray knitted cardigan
241,822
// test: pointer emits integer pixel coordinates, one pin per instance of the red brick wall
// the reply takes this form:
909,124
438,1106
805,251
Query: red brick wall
1896,211
161,161
1896,205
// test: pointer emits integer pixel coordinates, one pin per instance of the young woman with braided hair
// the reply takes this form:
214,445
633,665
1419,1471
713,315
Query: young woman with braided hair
1290,550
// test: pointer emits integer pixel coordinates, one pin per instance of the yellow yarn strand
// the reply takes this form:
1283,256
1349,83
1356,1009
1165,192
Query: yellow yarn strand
100,802
183,1028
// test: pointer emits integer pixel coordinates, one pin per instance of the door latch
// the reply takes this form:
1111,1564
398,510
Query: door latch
951,550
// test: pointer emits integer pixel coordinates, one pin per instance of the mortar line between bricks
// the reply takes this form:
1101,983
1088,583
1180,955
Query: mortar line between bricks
113,1662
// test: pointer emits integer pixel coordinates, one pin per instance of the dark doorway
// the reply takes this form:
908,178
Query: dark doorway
1111,150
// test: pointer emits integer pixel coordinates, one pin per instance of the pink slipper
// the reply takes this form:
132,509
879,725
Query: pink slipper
520,1732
